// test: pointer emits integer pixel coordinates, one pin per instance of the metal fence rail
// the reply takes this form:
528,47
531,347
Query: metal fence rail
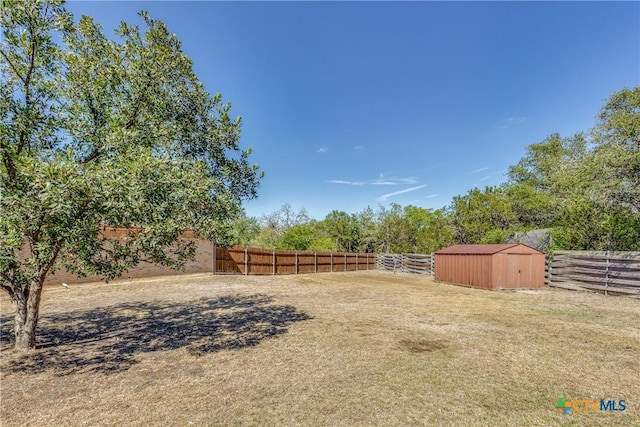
406,263
608,272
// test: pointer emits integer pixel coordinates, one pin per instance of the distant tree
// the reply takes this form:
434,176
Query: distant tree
369,229
105,131
433,231
538,182
601,191
587,187
590,225
482,216
393,230
284,218
275,224
615,160
266,238
244,230
321,243
308,236
344,229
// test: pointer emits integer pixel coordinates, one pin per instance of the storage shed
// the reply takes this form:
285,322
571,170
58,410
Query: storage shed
501,266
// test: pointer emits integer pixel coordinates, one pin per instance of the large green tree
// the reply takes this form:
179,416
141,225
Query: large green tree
99,131
539,182
306,236
412,229
601,191
485,216
343,229
587,187
615,163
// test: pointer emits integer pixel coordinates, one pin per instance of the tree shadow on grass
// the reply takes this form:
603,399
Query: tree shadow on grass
107,339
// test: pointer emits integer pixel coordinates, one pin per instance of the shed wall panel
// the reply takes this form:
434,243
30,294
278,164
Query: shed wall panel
537,271
472,270
511,267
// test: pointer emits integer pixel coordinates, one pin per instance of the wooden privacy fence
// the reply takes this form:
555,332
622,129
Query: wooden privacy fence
406,263
249,260
608,272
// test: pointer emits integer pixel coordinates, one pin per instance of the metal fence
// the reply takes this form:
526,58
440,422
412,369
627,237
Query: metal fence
608,272
406,263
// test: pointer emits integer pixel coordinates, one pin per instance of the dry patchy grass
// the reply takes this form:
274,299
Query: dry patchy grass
361,349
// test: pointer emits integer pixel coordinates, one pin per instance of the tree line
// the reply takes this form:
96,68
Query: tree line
585,188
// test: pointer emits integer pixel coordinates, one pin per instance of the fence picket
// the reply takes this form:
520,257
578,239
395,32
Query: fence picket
608,272
247,260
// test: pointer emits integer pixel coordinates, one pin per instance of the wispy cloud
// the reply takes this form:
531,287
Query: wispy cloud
382,180
491,175
479,170
431,196
511,121
343,182
396,193
322,150
359,147
391,180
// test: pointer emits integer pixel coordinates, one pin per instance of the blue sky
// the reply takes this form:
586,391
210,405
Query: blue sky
355,104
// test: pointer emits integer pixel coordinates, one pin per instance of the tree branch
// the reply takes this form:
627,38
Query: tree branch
45,270
9,288
8,163
13,67
136,107
97,121
22,139
10,279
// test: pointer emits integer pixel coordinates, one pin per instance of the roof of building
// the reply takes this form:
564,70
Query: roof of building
488,249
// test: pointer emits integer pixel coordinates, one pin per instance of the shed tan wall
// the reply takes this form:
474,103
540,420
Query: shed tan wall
473,270
518,268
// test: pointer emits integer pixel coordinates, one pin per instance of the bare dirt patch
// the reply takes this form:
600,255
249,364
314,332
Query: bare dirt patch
361,348
422,345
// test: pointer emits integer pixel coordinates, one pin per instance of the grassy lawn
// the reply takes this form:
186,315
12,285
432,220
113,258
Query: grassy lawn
348,349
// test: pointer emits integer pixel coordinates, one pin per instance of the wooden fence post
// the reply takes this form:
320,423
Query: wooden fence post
296,262
215,254
315,262
274,262
547,277
433,264
606,275
246,261
332,262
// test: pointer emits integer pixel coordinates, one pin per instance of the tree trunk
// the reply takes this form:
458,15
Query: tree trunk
26,319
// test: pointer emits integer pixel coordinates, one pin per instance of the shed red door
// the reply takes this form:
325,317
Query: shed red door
519,270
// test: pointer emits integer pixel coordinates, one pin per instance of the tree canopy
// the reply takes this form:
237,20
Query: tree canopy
106,131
